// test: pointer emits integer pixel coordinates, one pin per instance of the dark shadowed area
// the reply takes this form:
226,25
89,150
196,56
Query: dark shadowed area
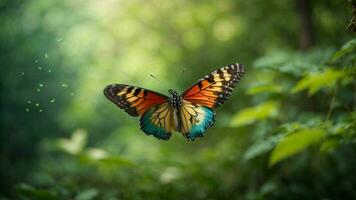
288,131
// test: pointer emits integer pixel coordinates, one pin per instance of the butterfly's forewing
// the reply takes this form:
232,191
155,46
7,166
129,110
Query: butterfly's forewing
158,121
134,100
156,115
195,119
215,88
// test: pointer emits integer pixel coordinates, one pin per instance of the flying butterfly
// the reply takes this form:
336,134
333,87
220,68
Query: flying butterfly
190,113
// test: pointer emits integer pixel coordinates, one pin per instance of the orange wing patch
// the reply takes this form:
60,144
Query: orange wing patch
134,100
215,88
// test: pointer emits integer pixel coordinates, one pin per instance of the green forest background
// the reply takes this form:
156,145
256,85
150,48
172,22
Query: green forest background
287,132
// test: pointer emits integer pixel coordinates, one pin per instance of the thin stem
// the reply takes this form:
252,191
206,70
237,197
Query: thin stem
332,102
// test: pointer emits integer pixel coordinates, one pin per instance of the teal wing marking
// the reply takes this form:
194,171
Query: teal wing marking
158,121
195,120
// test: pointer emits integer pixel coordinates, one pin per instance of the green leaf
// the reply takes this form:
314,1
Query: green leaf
346,48
87,194
25,190
75,144
295,63
264,88
249,115
316,81
96,153
329,145
295,143
261,147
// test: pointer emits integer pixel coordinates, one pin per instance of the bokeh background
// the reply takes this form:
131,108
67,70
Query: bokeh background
287,132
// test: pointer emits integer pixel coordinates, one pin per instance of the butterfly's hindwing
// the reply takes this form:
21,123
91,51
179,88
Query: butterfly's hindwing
195,119
158,121
134,100
215,88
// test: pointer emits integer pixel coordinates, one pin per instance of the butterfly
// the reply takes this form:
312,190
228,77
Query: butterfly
190,113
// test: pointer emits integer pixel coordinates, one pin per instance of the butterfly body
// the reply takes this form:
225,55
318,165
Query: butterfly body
175,100
190,113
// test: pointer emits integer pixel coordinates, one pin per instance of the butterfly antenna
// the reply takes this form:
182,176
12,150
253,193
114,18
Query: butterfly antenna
152,76
180,75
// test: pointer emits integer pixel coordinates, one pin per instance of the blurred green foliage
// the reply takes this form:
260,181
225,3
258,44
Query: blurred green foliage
294,143
287,132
